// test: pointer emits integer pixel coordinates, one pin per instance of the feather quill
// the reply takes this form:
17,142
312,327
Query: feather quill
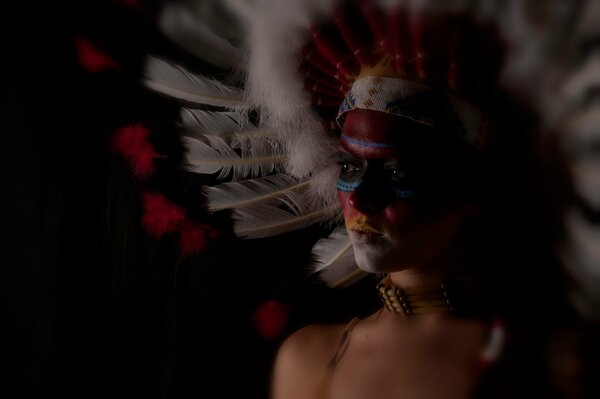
334,260
174,81
269,190
262,220
180,24
214,155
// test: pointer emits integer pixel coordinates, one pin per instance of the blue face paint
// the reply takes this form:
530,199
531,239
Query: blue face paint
365,143
404,194
388,179
398,193
348,186
401,194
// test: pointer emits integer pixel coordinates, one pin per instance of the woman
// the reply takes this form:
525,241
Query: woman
403,220
411,92
412,162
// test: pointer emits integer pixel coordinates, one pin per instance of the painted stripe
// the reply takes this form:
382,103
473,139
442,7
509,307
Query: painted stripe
404,194
348,187
367,143
400,194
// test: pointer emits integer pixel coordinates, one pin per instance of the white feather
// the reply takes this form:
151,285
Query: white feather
180,24
227,19
174,81
342,278
261,220
323,188
233,126
580,254
215,155
279,30
334,260
270,189
198,122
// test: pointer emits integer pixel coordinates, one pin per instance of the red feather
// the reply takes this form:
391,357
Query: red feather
132,143
161,216
271,318
92,59
130,3
193,236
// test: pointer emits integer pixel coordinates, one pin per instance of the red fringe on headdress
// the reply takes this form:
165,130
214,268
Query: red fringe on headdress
452,52
377,25
400,43
355,36
315,58
315,75
333,51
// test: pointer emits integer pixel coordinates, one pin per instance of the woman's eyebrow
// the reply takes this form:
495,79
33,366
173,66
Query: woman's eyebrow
343,155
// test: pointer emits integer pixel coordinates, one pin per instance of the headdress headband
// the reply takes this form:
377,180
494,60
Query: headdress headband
417,102
415,65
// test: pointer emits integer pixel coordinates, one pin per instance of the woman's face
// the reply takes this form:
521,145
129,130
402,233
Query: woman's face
395,191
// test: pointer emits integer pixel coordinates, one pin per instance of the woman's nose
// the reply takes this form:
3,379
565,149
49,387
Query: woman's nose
368,200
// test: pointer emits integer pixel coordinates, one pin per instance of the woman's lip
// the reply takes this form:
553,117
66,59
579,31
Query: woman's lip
365,230
365,236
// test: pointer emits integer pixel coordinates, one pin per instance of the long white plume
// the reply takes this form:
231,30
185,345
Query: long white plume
261,220
213,154
279,29
580,255
186,28
174,81
230,125
334,260
270,190
198,122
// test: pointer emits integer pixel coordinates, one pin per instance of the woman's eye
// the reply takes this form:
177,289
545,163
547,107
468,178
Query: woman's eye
348,167
397,173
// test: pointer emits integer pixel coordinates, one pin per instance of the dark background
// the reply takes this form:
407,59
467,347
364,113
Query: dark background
91,306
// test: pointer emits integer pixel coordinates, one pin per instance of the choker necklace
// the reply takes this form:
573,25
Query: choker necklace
413,302
446,298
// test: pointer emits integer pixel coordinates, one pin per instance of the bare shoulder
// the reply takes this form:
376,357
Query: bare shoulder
301,365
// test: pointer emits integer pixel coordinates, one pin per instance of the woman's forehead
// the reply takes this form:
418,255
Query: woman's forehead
368,149
372,134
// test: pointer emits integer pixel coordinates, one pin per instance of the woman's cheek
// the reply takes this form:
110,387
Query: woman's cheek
396,214
347,209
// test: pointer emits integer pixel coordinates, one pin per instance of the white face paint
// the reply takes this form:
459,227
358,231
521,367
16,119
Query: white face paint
395,246
388,231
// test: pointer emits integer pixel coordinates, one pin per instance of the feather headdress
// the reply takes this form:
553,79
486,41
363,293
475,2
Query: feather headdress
262,120
566,97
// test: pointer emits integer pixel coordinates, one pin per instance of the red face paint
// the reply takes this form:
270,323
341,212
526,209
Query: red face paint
388,233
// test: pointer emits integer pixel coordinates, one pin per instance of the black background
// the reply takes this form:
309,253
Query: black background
93,307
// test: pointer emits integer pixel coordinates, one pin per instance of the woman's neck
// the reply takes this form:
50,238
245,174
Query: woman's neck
431,272
445,281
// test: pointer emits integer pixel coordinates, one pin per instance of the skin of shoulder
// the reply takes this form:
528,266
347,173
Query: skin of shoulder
301,363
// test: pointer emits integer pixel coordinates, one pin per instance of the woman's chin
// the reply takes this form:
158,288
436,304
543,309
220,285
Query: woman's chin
377,261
